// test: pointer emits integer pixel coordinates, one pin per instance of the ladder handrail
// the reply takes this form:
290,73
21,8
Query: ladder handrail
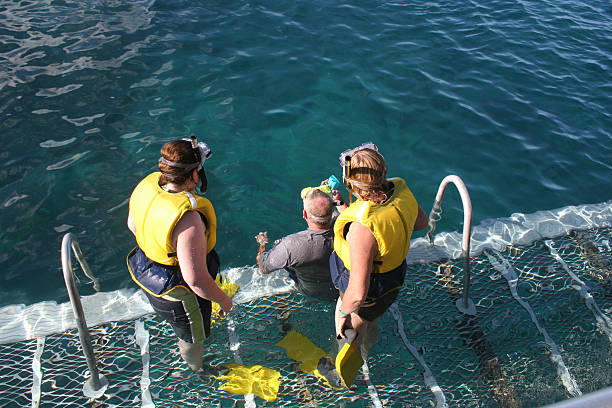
97,383
467,305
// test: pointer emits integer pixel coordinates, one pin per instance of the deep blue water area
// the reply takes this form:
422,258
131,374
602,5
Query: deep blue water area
514,96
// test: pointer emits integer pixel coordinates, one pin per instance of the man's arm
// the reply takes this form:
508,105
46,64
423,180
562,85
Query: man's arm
276,258
261,250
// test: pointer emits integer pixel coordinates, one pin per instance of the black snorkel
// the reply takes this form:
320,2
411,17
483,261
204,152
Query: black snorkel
197,152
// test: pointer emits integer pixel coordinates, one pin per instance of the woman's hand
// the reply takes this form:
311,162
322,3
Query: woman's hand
339,200
342,322
226,306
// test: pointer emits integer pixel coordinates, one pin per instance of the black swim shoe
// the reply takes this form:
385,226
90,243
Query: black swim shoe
326,369
212,371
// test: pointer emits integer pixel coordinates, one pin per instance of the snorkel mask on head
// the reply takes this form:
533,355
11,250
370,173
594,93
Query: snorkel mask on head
201,152
345,162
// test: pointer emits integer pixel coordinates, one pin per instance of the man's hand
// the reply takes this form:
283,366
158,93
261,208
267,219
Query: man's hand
262,238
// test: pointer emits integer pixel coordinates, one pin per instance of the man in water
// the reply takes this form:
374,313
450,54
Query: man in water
305,254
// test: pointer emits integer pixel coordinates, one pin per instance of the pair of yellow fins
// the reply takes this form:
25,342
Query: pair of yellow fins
313,360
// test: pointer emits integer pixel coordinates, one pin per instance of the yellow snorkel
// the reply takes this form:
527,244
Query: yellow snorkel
345,162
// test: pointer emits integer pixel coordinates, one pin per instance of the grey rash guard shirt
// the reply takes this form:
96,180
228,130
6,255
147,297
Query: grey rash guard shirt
305,255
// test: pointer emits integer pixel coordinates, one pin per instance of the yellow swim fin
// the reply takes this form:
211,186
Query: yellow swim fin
229,288
348,360
261,381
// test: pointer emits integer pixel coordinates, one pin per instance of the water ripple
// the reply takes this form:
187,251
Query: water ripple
67,162
51,92
32,36
82,121
53,143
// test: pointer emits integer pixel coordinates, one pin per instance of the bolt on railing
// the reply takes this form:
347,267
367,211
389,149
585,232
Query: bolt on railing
96,385
465,304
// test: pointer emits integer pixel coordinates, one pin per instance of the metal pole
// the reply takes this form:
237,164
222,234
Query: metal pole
95,381
84,265
466,306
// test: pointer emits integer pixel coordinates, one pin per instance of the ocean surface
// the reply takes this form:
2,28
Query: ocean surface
515,97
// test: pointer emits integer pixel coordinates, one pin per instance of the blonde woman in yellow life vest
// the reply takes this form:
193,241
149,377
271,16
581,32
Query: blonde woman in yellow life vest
175,262
371,241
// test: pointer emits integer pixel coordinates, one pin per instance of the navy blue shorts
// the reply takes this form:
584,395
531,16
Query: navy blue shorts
383,290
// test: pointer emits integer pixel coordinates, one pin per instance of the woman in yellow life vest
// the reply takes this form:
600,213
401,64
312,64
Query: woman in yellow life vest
175,262
371,241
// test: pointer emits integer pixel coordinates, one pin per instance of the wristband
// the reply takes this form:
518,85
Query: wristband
343,314
262,242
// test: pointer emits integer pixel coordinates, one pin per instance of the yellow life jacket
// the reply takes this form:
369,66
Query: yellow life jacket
391,223
156,212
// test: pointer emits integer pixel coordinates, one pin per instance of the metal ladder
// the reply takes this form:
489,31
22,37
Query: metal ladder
95,386
464,304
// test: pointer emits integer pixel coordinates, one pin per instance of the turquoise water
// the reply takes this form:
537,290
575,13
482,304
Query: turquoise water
515,97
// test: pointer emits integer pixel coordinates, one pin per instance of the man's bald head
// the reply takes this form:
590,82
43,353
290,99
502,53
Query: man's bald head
319,208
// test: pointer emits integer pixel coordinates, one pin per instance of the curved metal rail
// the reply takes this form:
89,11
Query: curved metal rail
96,385
465,304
